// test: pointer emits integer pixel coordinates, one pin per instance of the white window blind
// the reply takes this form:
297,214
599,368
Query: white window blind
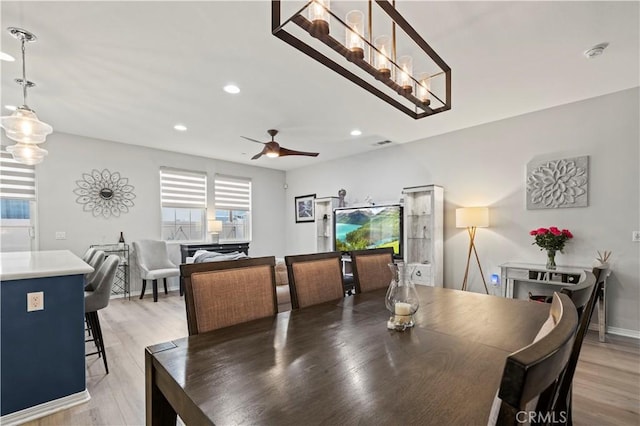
232,193
17,180
182,189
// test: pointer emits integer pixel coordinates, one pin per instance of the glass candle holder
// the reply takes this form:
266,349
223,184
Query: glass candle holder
319,17
405,71
382,55
402,298
354,33
423,88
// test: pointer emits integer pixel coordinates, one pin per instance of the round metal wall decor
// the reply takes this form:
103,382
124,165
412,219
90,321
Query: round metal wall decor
104,193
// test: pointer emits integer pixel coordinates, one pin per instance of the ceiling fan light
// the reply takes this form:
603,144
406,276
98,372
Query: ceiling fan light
272,154
27,153
23,126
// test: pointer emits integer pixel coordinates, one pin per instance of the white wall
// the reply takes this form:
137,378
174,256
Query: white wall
486,166
70,156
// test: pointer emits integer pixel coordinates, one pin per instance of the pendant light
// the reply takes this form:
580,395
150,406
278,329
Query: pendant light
23,125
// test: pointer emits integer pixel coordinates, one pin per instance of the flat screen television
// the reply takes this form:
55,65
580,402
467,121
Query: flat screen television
368,227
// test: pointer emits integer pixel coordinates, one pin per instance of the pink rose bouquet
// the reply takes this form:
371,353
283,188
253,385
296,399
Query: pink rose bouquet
551,238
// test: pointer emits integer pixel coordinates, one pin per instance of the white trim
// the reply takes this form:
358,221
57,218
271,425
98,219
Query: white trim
635,334
44,409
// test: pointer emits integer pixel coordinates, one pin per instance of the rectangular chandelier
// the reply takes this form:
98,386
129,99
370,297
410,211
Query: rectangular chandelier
383,53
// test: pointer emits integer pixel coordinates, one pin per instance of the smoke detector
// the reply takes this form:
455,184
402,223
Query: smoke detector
596,50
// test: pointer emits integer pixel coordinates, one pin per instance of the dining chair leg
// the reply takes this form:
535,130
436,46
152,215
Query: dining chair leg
181,287
155,290
144,286
165,286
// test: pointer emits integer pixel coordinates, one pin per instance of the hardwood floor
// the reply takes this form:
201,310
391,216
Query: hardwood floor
606,384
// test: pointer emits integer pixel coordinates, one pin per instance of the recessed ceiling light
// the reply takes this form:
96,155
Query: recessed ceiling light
356,132
11,107
231,88
6,57
180,127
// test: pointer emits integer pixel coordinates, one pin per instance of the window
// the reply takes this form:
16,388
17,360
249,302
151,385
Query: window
183,197
233,207
17,204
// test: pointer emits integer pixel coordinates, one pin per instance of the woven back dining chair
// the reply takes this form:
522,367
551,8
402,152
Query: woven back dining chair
531,375
371,268
221,294
314,278
563,403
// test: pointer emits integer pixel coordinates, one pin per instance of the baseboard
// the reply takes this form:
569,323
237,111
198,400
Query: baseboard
635,334
44,409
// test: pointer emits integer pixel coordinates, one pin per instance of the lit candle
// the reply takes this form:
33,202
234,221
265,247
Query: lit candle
402,308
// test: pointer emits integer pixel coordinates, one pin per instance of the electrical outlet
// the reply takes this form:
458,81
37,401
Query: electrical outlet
61,235
635,236
35,301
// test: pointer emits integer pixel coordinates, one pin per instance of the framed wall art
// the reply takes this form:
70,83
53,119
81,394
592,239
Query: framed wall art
305,208
558,183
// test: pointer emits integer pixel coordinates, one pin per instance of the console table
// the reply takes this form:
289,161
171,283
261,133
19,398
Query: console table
188,250
554,279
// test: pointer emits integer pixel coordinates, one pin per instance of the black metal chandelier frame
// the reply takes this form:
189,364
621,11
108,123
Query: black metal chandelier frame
421,108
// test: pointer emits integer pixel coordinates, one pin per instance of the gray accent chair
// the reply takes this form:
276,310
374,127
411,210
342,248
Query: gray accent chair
154,263
99,299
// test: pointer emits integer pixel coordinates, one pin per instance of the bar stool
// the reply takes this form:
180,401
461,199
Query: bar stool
99,299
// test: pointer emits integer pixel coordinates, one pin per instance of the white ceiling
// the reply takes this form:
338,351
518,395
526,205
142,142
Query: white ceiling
129,71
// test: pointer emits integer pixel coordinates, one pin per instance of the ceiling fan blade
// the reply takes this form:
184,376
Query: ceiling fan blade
285,151
260,154
252,140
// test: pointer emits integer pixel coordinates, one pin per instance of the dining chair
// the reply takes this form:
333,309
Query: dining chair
371,268
95,261
531,375
154,263
314,278
99,299
221,294
563,403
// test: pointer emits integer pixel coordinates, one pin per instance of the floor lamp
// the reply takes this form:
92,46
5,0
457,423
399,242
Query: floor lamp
472,218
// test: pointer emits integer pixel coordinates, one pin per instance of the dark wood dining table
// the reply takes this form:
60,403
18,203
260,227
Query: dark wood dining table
338,364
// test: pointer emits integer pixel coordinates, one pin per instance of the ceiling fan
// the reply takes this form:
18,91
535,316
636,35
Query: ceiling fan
273,148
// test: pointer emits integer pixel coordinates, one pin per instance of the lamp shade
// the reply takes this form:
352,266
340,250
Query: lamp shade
23,126
215,225
467,217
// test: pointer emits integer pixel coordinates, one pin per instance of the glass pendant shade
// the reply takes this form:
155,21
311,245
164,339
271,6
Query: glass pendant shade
355,32
405,65
319,17
27,153
23,126
423,87
382,61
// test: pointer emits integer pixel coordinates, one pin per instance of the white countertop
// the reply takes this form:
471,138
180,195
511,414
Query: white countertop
38,264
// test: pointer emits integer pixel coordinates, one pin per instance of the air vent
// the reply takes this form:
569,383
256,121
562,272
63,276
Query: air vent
382,143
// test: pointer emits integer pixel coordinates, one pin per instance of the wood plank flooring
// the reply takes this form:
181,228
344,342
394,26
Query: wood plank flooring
606,384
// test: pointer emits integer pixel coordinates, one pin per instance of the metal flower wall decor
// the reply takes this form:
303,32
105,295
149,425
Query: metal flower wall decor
104,193
558,183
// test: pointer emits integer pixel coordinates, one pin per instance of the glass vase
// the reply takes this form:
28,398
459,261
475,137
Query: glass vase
551,259
402,298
